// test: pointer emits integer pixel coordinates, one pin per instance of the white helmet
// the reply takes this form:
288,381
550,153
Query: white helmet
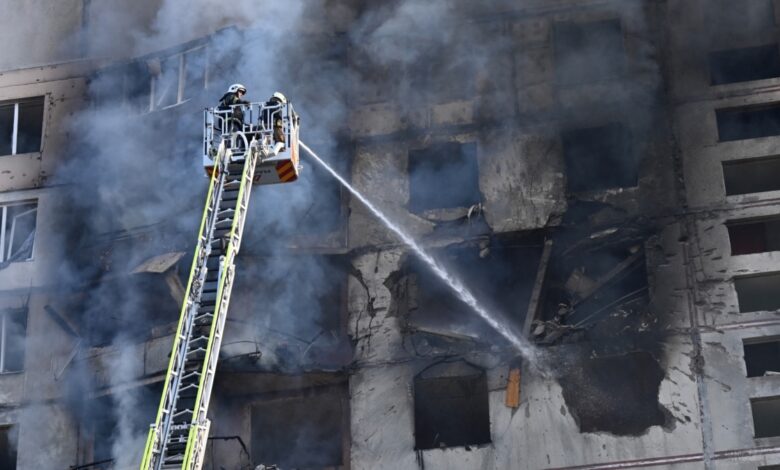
280,97
236,87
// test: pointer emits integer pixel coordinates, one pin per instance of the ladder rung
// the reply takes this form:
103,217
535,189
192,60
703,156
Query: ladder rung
224,223
232,184
226,213
182,413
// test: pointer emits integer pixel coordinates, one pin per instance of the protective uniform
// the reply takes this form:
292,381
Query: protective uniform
231,99
274,116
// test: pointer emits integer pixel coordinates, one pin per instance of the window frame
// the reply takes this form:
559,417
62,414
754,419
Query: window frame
15,126
181,77
4,221
4,314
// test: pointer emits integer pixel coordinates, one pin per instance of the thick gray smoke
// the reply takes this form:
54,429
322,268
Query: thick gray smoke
140,173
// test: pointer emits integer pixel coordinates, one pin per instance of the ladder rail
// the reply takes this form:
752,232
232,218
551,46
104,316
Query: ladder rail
188,340
224,291
191,312
197,263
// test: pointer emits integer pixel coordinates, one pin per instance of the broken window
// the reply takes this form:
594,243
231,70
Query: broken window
443,176
501,274
17,231
138,86
13,331
753,175
754,236
597,287
758,292
8,442
179,77
599,158
750,122
766,416
301,431
194,72
762,356
451,410
166,83
587,52
743,65
615,394
21,126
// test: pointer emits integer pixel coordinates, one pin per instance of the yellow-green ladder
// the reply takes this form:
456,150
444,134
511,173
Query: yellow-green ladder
178,437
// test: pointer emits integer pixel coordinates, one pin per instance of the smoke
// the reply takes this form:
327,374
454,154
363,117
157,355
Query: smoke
139,175
138,185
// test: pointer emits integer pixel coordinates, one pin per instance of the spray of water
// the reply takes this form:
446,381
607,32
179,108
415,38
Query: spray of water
523,346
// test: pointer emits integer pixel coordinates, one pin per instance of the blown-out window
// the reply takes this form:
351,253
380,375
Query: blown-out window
451,409
21,126
8,438
443,176
588,52
599,158
17,231
179,77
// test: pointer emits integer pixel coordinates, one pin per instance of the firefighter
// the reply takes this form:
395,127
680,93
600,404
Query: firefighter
229,100
273,117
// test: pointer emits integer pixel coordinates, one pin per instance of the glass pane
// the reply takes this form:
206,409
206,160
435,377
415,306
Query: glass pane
166,89
194,72
6,128
20,231
28,138
16,329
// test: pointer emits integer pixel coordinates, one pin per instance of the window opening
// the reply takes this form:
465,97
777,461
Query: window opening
744,65
766,416
13,330
587,52
755,175
166,85
748,122
443,176
299,432
599,158
451,411
759,292
17,231
8,443
194,72
762,356
756,236
21,126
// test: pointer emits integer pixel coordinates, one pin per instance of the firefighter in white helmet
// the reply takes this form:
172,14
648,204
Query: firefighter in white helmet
272,115
234,96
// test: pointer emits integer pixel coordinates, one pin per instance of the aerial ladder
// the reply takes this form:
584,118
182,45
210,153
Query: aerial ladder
236,156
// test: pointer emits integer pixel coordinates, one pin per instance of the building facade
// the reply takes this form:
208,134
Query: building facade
602,175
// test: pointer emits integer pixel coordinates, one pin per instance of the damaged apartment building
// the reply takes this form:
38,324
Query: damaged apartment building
602,175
